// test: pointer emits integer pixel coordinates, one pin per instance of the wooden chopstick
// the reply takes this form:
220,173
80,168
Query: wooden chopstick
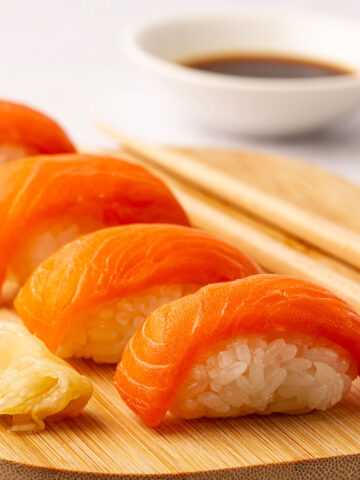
316,230
215,217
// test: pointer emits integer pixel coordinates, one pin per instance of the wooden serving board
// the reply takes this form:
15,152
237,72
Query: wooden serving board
108,439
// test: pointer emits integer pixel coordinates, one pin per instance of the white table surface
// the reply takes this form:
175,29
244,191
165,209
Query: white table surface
63,56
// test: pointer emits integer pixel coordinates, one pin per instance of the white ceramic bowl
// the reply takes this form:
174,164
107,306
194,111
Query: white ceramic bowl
247,105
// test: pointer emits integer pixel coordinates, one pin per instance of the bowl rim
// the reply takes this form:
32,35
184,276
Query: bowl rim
130,44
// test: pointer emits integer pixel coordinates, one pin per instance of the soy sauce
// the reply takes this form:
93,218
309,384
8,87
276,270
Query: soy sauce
267,66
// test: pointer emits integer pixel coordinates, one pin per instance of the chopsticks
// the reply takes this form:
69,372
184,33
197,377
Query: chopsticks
217,218
316,230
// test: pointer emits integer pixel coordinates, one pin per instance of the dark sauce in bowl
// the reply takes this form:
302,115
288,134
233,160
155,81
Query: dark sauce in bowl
266,66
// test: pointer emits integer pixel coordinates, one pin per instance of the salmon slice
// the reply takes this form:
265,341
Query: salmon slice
24,131
121,262
47,201
163,350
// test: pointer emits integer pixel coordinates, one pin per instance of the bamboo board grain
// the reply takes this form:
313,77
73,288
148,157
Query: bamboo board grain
108,439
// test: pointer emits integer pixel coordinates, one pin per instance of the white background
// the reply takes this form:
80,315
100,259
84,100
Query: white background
64,57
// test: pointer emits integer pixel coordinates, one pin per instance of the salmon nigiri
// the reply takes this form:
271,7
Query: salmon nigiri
262,344
24,131
47,201
89,297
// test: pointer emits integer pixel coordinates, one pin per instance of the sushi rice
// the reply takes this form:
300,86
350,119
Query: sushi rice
12,151
39,244
102,332
290,373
